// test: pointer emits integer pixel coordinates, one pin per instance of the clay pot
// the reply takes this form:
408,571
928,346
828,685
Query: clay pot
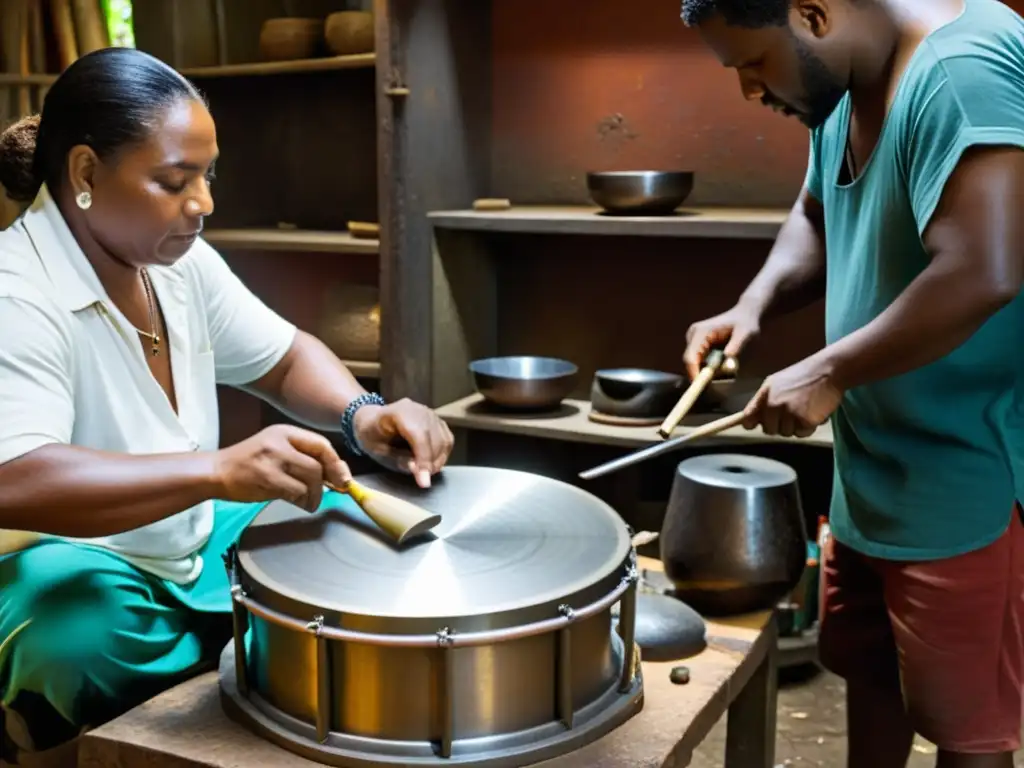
290,39
350,321
349,32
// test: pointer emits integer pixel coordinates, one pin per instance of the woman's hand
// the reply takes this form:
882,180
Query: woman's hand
280,462
381,430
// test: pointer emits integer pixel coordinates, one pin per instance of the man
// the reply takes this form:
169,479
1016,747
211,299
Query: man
912,210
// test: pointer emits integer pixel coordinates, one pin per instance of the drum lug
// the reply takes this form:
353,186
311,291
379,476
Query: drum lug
239,625
324,694
627,625
230,558
446,690
566,705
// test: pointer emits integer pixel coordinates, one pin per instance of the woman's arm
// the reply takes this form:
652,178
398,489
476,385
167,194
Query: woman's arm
48,485
256,350
64,490
310,384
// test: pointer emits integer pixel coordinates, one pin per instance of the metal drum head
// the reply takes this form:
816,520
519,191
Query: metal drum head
509,542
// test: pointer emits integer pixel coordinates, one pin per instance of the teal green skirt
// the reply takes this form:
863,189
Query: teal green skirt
93,636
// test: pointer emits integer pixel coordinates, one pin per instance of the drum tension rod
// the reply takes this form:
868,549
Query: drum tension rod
627,626
323,679
239,621
566,705
446,690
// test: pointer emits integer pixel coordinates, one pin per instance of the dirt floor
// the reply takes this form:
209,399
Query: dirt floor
811,728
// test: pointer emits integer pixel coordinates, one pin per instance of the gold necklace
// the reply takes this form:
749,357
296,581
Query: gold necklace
154,337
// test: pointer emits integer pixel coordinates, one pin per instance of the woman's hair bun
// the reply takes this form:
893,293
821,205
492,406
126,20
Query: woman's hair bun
17,153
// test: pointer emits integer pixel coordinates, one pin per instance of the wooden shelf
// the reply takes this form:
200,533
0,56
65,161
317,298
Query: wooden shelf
572,424
327,64
362,369
14,79
736,223
293,240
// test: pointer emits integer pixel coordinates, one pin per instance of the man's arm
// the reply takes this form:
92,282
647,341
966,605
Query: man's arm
976,242
793,276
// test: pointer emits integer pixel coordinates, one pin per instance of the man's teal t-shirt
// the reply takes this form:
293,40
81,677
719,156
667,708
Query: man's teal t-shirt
928,464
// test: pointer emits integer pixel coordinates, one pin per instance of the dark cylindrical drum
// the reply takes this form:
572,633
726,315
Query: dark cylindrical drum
734,538
488,641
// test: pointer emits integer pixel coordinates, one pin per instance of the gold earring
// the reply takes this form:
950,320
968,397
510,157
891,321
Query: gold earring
84,200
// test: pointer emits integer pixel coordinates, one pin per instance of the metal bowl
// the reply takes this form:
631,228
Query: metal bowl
635,392
644,193
524,382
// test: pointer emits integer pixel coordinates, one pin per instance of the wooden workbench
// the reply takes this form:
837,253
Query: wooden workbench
186,728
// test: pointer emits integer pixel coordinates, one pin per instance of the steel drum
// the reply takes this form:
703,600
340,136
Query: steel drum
487,641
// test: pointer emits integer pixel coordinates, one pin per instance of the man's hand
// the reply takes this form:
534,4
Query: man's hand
734,328
379,428
795,401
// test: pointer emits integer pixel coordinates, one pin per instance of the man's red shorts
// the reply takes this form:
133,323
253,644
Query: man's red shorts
950,632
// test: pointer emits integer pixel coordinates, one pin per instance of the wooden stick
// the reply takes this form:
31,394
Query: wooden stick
707,373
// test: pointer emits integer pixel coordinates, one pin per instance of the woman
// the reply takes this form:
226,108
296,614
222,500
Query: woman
116,324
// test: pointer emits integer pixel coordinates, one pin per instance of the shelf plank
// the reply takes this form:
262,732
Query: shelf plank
293,240
14,79
363,369
257,68
326,64
735,223
572,424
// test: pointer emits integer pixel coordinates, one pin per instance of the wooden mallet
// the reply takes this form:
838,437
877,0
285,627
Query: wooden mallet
715,360
399,518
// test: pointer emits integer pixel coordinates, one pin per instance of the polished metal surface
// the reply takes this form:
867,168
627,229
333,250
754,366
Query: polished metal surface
649,193
635,392
452,647
524,382
734,538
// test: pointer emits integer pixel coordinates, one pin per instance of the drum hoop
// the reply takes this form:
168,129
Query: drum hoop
444,637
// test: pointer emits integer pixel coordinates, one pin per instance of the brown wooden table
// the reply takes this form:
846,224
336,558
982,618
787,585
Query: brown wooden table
186,728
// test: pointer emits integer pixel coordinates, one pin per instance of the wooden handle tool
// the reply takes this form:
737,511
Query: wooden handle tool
398,518
712,363
705,430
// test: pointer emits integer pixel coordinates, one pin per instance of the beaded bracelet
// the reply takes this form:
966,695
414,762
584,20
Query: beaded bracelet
348,432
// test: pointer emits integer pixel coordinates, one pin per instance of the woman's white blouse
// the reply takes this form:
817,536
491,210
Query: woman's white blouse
73,369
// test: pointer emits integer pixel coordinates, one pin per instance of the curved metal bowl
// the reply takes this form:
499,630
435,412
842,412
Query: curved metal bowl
640,193
635,392
524,382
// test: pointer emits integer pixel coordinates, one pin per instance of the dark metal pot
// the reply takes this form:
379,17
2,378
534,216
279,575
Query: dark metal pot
734,538
635,392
